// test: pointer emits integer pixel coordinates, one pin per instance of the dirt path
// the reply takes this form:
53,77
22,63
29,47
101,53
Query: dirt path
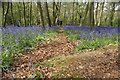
100,63
23,65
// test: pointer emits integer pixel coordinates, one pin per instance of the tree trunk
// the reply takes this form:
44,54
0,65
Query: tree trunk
5,18
12,18
58,7
54,13
59,11
2,12
24,15
76,18
96,14
91,14
3,8
80,15
73,15
31,13
41,14
48,16
65,15
19,10
101,12
112,14
85,15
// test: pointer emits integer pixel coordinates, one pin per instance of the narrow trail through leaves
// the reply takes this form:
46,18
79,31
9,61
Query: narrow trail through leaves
100,63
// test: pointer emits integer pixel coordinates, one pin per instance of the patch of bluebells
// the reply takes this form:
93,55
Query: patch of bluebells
92,39
16,39
85,32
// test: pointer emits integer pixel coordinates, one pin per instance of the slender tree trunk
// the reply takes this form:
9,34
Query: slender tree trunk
53,13
59,11
31,13
3,8
80,16
37,17
76,18
41,14
85,15
19,10
68,19
101,12
96,14
24,15
118,19
2,13
73,15
65,15
91,14
58,7
5,18
12,14
112,14
48,16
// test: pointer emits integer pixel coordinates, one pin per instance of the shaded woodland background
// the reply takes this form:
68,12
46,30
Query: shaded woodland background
71,13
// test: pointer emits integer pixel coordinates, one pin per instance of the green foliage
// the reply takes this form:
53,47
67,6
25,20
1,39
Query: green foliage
55,75
92,39
93,44
39,74
31,76
116,22
50,61
68,31
73,37
21,45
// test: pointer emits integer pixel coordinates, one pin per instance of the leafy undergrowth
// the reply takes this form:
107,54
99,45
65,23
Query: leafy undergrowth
20,39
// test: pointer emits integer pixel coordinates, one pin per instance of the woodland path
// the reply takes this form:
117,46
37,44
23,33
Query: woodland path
100,63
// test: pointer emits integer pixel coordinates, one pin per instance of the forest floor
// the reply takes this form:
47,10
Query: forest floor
56,59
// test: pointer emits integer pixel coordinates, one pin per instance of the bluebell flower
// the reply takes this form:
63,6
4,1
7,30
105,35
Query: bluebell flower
33,67
0,62
12,77
8,48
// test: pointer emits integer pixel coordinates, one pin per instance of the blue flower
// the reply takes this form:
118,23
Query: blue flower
33,67
12,77
8,48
